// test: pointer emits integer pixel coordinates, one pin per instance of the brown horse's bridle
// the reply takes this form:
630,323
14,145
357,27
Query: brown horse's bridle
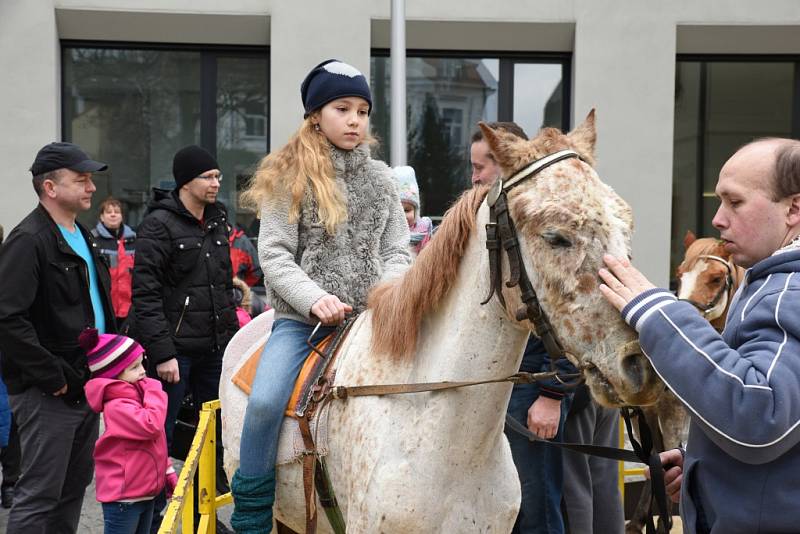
726,288
501,231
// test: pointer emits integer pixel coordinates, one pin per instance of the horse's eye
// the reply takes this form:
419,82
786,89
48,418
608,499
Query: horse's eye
555,239
716,280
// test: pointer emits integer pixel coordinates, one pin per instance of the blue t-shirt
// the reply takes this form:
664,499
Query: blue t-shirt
77,242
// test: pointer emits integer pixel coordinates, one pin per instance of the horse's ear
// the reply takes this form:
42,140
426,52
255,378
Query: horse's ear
688,239
500,143
583,138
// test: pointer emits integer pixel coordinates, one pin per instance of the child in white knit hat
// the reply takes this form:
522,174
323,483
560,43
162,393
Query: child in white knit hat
421,228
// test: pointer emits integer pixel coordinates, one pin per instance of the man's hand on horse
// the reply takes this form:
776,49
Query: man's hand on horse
330,310
622,282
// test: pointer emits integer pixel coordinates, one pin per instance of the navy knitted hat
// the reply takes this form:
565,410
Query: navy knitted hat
330,80
189,163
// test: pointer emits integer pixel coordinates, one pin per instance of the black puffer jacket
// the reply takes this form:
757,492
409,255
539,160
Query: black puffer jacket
195,317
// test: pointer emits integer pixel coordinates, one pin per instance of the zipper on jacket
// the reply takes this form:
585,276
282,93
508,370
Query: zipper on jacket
89,308
180,319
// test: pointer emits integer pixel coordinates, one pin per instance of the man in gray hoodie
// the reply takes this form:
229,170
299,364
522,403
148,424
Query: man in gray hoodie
740,387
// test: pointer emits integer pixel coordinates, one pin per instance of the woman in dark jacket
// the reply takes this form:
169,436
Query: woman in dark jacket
115,241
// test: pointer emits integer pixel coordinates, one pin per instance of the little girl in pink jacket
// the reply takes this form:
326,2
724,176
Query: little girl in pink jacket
131,462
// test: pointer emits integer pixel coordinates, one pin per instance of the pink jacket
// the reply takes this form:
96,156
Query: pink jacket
130,458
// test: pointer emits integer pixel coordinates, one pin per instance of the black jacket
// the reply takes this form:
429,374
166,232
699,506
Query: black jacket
44,306
196,317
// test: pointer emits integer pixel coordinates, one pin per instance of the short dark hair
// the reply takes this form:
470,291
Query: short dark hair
38,180
110,201
508,126
787,170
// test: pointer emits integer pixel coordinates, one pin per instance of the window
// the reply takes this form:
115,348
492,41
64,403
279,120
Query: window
134,107
453,121
447,95
722,103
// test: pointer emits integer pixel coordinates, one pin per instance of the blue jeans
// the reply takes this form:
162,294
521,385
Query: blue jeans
280,363
539,468
127,517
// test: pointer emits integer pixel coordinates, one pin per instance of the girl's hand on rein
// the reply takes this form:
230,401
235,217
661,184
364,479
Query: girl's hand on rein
622,281
330,310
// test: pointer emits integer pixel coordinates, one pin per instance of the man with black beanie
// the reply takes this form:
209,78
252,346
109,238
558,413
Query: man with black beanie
182,306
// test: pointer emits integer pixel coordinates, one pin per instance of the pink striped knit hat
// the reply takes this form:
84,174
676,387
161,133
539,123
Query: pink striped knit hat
108,354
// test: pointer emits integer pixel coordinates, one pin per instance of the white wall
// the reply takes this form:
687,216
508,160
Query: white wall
624,61
303,35
29,99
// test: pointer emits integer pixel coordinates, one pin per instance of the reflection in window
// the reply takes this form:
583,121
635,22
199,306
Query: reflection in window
537,96
135,108
132,109
242,107
453,120
446,98
719,106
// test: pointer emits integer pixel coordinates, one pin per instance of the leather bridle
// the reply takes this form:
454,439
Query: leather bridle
501,231
726,288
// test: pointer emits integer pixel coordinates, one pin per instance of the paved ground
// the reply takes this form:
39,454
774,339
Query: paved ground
92,513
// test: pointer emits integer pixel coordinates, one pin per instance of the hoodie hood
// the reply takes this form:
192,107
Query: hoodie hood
127,231
785,260
100,390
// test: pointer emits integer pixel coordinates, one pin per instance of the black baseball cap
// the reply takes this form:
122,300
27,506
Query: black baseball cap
64,156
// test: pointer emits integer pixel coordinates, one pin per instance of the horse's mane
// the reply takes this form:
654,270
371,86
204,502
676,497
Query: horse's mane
399,305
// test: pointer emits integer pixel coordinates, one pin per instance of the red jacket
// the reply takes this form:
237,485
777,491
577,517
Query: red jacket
130,457
119,252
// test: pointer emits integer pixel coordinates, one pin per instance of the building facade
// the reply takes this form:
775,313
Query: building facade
677,87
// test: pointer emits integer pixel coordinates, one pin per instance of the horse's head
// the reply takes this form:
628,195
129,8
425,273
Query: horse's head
707,277
566,219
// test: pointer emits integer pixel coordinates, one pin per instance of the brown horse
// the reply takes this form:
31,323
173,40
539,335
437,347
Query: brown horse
708,279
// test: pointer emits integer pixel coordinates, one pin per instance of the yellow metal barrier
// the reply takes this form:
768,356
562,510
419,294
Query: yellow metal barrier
622,471
202,455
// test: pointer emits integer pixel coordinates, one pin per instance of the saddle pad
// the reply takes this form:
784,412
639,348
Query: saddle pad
244,377
291,446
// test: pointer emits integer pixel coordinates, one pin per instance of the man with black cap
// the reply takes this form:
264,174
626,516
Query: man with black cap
53,284
183,309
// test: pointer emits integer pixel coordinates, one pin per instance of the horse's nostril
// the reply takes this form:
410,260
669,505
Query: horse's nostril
634,367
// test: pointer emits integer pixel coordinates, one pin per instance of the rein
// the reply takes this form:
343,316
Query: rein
727,288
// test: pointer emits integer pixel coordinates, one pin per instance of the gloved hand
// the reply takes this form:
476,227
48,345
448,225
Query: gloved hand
172,481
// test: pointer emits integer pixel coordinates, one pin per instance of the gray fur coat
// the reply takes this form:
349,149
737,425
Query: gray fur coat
302,262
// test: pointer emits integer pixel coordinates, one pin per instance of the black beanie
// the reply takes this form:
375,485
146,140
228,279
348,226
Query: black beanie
330,80
189,163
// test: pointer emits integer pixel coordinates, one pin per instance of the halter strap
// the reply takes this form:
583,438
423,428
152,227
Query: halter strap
727,288
717,258
501,234
537,166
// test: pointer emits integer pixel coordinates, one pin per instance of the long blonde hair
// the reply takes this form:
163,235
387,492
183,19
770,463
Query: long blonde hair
304,161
